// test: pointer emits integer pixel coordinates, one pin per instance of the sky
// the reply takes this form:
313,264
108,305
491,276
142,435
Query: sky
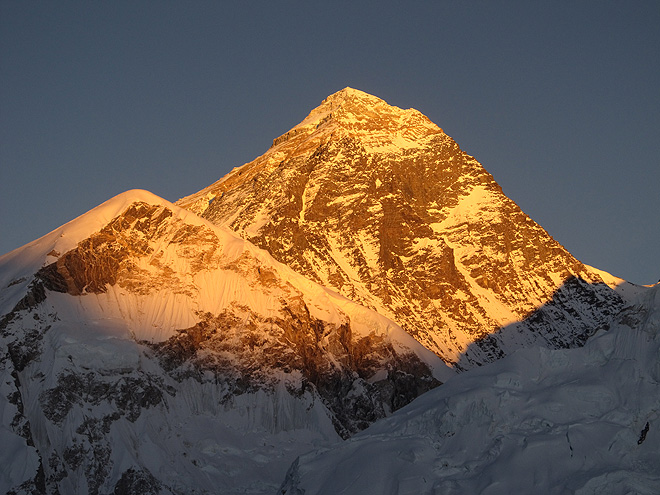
559,101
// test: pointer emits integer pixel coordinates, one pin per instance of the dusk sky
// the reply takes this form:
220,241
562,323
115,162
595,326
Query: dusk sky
560,101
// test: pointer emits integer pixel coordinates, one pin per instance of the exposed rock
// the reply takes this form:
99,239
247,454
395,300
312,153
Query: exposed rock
342,369
140,482
147,350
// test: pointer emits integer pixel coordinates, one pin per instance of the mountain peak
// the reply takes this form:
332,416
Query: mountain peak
349,94
380,127
382,206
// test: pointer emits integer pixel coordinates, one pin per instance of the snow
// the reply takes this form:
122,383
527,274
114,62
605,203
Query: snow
609,279
27,259
538,421
478,203
195,439
308,196
262,218
18,462
155,314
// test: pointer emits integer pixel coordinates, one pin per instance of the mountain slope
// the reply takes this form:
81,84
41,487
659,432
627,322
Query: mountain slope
581,421
146,350
380,204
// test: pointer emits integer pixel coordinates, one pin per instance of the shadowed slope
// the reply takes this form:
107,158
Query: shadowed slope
582,420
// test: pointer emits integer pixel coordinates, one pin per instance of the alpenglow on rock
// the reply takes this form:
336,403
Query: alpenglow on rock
380,204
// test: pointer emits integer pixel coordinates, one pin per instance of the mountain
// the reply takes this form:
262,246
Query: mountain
581,421
145,350
381,205
312,294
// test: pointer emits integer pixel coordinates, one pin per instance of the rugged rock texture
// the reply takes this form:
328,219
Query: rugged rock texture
327,358
380,204
241,341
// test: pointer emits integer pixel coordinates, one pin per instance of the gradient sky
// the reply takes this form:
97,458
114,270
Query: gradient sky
560,101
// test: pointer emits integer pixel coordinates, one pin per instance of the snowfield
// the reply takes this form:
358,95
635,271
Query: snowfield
581,421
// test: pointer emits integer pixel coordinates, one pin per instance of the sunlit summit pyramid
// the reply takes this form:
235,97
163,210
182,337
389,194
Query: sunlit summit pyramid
380,204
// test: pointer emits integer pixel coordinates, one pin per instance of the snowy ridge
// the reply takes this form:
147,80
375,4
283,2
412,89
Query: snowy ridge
312,294
213,290
581,421
349,113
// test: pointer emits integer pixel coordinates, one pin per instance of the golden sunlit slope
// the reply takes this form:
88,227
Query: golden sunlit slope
380,204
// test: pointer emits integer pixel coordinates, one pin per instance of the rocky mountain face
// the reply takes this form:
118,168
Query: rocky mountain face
380,204
131,330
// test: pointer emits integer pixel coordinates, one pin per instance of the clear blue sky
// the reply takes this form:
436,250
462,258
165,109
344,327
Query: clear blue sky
560,101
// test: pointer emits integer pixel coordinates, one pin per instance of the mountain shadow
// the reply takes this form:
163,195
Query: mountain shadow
577,310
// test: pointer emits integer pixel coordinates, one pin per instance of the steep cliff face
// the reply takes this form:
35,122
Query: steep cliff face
140,316
380,204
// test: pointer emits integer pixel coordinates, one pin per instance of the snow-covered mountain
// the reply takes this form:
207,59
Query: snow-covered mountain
380,204
148,347
146,350
581,421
